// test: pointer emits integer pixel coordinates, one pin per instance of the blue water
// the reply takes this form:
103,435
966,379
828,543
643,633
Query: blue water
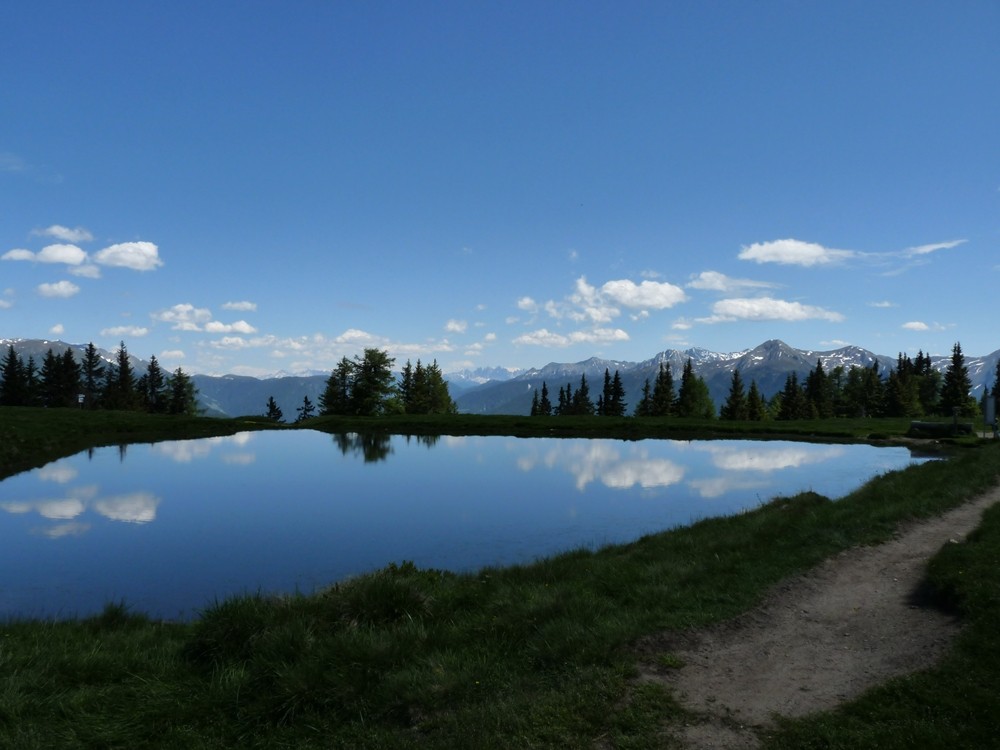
170,527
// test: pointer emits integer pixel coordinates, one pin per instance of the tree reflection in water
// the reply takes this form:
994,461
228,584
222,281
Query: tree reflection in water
370,446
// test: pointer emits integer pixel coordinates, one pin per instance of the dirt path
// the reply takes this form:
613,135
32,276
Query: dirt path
817,640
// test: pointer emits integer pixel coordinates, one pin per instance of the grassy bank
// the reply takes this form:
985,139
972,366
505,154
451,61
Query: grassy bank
31,437
527,656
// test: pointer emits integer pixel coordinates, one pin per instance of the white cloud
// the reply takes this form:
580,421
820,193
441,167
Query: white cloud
12,162
240,326
137,507
59,253
714,281
358,337
601,305
5,305
69,254
231,342
184,317
242,306
647,294
57,330
794,252
544,337
139,256
65,233
172,354
592,305
62,289
655,472
130,331
883,303
58,472
456,326
86,271
919,325
18,253
928,249
767,308
400,350
490,337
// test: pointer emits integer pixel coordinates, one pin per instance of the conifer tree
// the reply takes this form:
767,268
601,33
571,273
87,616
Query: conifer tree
818,393
180,393
373,383
956,387
612,400
438,397
92,375
119,388
32,383
305,411
756,405
618,403
736,407
581,403
152,388
604,399
406,385
71,383
793,401
644,407
424,390
996,391
336,398
663,392
51,385
13,383
544,404
693,398
274,412
59,379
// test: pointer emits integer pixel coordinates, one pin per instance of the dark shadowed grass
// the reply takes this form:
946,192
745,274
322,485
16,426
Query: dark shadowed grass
31,437
526,656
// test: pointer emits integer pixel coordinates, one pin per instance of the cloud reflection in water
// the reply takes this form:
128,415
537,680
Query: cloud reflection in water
602,461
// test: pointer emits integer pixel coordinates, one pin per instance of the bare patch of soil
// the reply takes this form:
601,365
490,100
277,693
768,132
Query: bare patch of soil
820,639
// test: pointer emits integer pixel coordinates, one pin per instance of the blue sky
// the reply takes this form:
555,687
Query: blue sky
258,187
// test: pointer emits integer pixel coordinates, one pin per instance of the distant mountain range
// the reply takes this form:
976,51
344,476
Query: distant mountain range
768,364
499,390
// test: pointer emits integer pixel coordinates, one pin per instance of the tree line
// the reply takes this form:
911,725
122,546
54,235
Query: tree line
911,389
365,386
93,383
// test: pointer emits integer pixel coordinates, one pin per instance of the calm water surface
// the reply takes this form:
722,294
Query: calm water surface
172,526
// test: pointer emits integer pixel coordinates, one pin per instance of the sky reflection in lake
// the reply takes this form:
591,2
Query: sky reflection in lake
171,526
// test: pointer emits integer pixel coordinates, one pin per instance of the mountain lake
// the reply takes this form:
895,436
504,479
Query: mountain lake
171,527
